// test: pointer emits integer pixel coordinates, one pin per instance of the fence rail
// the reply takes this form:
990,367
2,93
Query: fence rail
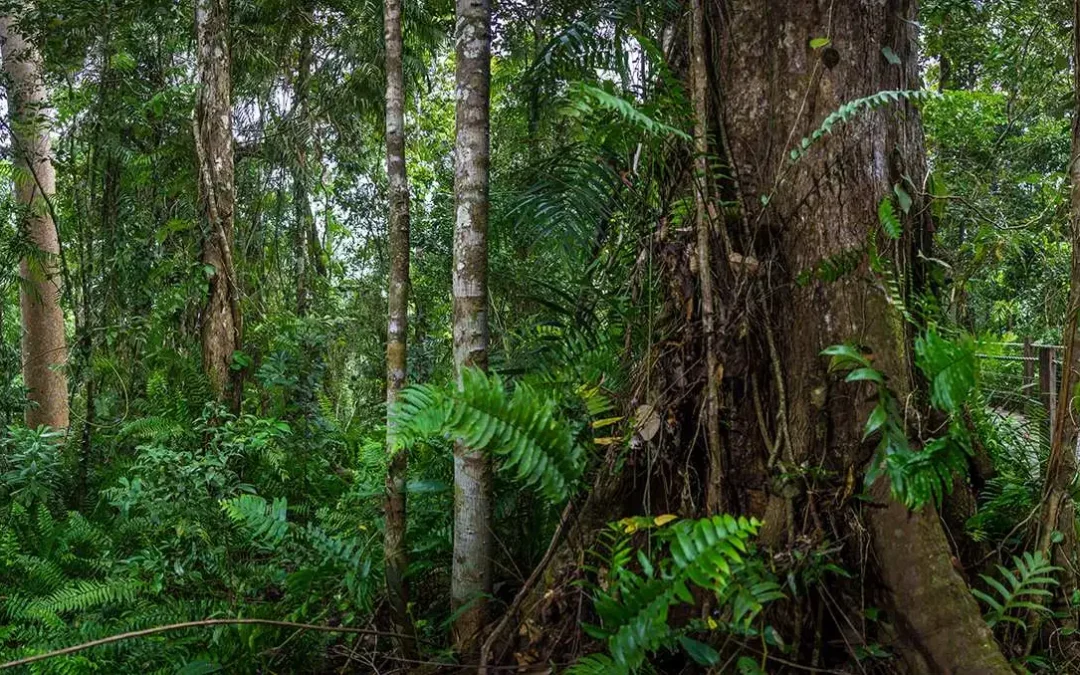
1024,375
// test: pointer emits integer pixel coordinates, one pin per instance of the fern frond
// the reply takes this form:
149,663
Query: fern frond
523,428
265,523
1019,591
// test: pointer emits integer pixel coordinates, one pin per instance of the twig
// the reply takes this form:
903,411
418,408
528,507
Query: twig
511,611
190,624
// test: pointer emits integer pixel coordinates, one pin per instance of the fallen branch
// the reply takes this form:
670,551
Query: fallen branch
189,624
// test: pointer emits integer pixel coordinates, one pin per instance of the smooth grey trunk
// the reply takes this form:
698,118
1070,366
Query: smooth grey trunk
44,349
471,576
395,551
220,322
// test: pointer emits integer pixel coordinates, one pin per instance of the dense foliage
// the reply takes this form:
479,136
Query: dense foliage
163,505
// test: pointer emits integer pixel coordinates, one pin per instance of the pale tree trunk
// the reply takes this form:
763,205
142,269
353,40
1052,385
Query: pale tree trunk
44,352
1059,512
303,220
776,89
714,495
471,581
220,322
397,322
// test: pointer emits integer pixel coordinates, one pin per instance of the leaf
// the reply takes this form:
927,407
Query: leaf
877,419
865,374
903,197
660,521
818,43
890,55
702,653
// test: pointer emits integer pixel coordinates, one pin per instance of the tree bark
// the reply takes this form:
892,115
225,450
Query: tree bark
395,551
44,350
776,89
471,575
715,489
220,322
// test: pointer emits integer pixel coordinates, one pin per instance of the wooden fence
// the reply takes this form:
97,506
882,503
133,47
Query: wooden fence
1023,377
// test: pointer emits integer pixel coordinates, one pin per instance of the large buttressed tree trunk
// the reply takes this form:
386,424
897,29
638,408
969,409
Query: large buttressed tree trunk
220,322
776,89
44,352
397,319
471,581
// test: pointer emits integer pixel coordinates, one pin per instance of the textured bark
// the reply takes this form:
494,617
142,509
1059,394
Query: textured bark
44,351
220,322
471,582
395,550
776,90
715,491
1059,512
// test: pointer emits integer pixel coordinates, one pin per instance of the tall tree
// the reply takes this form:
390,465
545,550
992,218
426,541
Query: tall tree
777,84
1059,512
471,575
220,322
302,220
44,351
397,319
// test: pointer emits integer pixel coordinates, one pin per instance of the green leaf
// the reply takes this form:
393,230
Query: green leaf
818,43
702,653
903,197
890,55
877,419
863,374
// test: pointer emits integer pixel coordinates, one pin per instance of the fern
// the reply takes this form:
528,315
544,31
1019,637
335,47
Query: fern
523,428
86,594
634,608
890,224
265,523
917,477
852,109
1018,591
585,98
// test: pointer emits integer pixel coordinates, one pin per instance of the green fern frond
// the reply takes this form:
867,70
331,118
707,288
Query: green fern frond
523,428
85,594
852,110
1019,591
265,523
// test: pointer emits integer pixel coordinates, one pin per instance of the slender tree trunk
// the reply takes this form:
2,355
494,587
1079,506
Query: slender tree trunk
715,491
220,322
397,321
44,351
303,220
776,89
1059,512
471,581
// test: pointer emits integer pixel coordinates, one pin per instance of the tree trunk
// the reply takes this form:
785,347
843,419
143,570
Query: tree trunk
776,90
397,322
44,352
1059,512
715,491
220,322
471,581
303,220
